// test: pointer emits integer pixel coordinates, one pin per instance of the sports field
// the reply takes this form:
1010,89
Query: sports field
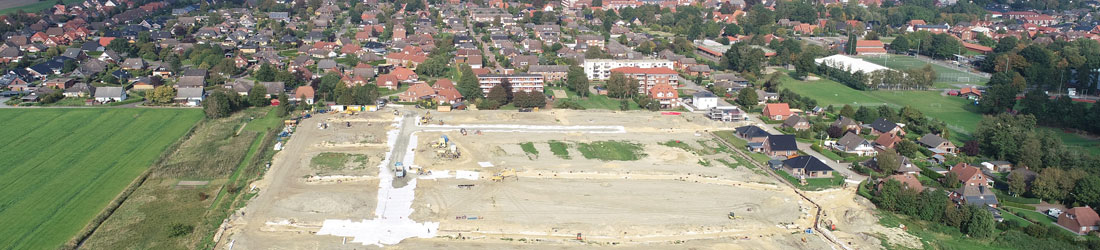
61,167
945,76
12,6
951,110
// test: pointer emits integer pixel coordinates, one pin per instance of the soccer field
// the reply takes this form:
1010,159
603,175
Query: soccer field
61,167
945,75
951,110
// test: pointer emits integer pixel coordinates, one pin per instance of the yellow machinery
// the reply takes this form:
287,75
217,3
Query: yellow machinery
426,118
733,216
505,174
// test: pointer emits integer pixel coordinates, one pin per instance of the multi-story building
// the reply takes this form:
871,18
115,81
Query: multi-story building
600,69
519,82
649,77
550,73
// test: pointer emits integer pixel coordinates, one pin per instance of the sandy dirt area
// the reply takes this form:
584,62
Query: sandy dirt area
856,221
665,199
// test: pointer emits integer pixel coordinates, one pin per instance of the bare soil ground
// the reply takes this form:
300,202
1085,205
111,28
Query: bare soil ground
665,199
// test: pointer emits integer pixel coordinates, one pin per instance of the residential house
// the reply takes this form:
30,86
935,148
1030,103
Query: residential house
797,123
79,90
303,94
752,134
807,167
191,96
780,146
191,81
59,83
908,181
905,165
882,126
777,111
970,175
1080,220
731,82
887,140
975,195
110,94
133,64
144,83
937,144
704,100
847,124
417,92
852,143
764,97
666,95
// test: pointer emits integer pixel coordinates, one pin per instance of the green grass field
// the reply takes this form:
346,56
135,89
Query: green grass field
593,101
949,109
529,148
611,150
559,149
63,166
214,152
335,161
945,75
34,7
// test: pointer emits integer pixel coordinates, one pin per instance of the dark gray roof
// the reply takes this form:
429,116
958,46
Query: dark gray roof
977,195
882,125
931,140
108,92
794,120
703,94
809,163
782,142
851,140
752,131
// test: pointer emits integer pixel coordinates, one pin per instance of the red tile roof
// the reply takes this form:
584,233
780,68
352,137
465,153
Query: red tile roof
778,109
669,91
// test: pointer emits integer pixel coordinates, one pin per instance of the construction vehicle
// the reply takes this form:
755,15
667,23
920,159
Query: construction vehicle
442,143
449,152
399,170
426,118
733,216
505,174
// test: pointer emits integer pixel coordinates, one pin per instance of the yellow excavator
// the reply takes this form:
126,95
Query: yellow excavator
504,174
426,118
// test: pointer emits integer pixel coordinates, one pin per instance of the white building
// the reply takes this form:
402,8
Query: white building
519,82
105,94
600,69
704,100
852,65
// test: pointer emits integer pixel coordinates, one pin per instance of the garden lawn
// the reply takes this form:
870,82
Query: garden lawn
951,110
63,166
593,101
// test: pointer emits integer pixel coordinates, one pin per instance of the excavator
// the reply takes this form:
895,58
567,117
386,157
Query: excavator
504,174
426,118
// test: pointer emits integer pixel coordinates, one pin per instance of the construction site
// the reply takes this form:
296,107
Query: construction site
516,180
